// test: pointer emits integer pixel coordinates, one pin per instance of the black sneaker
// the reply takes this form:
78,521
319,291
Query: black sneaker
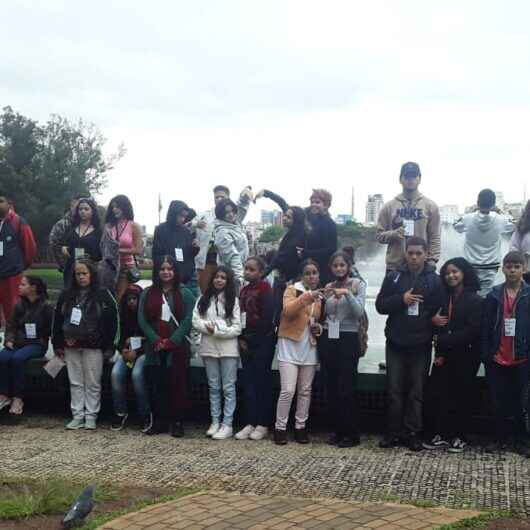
118,422
349,441
176,429
414,443
389,441
156,427
280,437
457,445
147,424
437,442
300,436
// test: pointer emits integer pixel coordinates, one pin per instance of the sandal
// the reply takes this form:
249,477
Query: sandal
17,407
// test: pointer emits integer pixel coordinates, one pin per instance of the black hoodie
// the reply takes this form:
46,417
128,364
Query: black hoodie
170,236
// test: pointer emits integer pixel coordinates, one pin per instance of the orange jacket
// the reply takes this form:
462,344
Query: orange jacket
298,308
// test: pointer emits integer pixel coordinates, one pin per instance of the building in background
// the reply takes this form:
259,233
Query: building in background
449,213
271,217
374,204
352,203
343,218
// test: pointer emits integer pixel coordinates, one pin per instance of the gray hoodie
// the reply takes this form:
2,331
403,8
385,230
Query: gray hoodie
232,246
482,246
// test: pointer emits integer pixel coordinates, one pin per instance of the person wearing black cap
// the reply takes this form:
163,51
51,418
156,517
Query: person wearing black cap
407,215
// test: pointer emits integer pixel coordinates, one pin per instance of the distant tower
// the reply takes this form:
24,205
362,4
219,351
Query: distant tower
352,204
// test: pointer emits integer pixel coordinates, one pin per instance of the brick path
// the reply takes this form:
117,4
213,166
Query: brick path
225,511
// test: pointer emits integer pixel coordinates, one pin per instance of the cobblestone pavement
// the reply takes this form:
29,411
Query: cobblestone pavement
40,447
225,511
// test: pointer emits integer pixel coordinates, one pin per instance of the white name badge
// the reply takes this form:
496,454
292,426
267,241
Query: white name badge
135,343
1,248
79,253
333,329
509,327
166,312
75,317
243,320
31,330
179,254
408,225
413,310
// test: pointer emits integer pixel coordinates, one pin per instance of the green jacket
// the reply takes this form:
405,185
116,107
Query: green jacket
178,334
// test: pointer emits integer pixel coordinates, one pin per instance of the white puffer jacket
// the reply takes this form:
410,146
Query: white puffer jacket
223,341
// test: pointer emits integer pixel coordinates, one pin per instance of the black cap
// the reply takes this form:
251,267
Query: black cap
410,169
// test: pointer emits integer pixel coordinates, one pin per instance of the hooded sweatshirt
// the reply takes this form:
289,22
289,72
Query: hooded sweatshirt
232,246
176,240
482,246
426,218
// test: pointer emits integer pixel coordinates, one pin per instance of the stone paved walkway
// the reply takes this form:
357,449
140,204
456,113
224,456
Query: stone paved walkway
225,511
40,447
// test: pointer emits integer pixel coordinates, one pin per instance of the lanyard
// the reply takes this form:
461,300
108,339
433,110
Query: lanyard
2,225
511,307
119,234
81,235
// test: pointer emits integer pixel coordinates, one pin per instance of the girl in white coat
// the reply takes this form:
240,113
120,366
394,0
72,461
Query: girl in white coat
217,317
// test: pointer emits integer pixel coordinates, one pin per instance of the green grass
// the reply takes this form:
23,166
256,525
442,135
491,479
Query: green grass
480,521
103,518
54,278
20,499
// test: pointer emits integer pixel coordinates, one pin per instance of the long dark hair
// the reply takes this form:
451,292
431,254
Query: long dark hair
124,204
157,265
211,292
471,281
523,226
297,231
221,207
41,289
96,223
72,292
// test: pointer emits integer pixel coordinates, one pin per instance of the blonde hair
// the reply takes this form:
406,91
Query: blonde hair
323,195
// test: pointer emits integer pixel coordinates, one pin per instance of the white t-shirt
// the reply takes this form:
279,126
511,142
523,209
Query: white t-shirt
297,352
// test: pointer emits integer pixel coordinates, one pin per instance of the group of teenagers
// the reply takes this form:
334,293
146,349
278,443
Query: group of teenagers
305,305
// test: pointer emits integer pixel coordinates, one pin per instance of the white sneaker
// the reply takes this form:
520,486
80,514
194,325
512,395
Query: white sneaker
214,427
4,403
259,433
223,433
76,423
90,423
245,432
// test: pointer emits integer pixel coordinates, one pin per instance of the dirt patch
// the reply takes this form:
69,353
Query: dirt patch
509,524
127,497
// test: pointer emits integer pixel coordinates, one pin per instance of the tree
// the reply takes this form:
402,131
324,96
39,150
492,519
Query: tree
272,234
43,166
354,234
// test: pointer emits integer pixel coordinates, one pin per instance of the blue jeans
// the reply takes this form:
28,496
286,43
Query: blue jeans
222,375
119,386
12,368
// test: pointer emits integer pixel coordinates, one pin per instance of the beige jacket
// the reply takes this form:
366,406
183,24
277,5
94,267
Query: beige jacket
298,308
426,217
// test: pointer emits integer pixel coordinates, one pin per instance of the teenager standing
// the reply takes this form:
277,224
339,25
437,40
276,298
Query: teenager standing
257,350
120,226
17,252
165,316
340,349
457,355
216,316
410,296
83,238
505,348
409,214
297,351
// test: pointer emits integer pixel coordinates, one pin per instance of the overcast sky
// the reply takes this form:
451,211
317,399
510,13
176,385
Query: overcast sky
285,94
